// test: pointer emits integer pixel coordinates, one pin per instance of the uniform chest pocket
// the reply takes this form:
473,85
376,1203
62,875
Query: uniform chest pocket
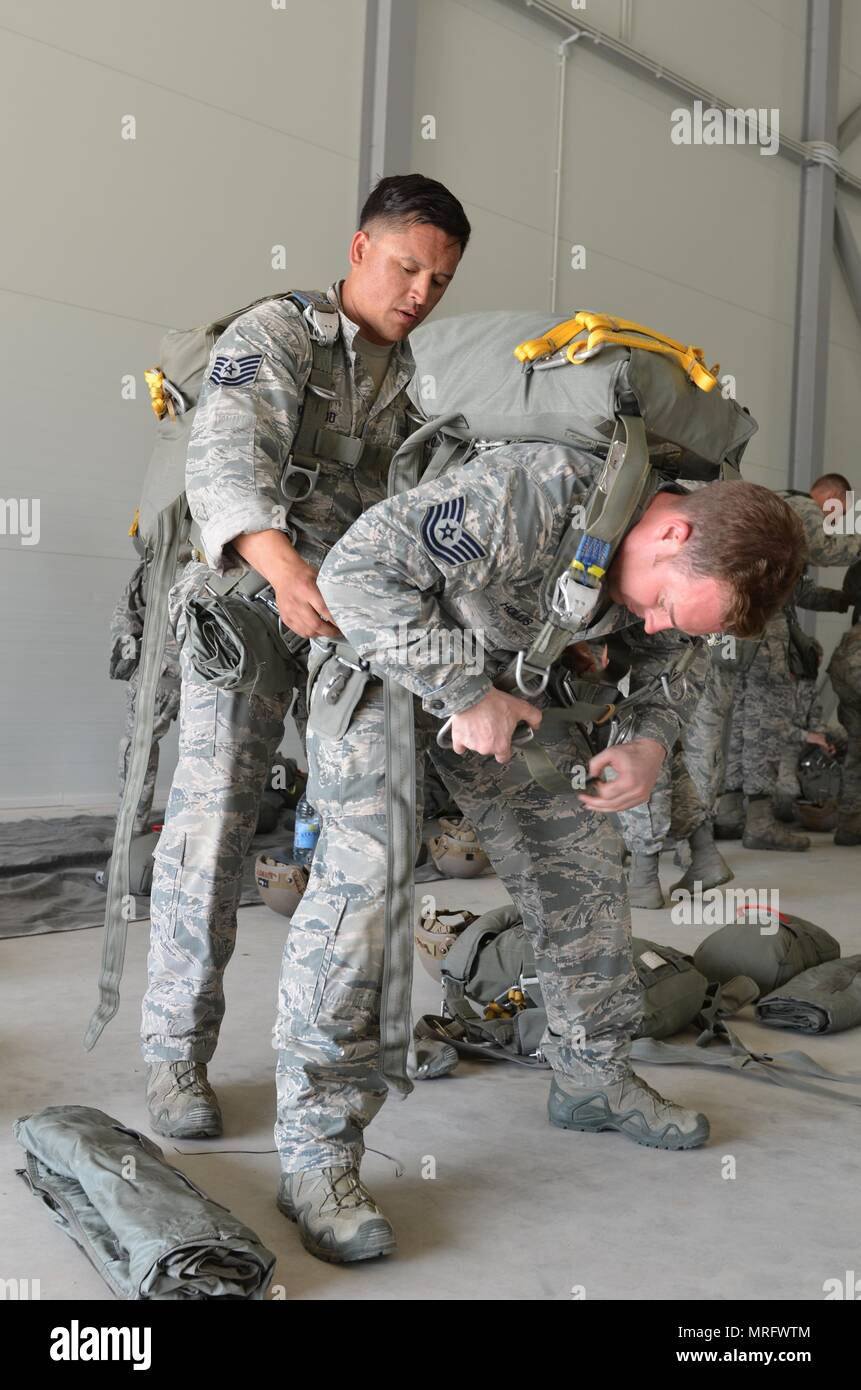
334,691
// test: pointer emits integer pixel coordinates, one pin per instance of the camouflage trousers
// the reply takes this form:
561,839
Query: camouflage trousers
763,719
562,866
806,708
689,784
673,810
166,710
849,714
227,743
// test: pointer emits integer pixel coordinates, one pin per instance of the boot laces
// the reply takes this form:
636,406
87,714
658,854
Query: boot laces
187,1078
661,1102
345,1189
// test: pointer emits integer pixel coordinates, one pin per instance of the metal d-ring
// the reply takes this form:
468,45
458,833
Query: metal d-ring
666,686
529,692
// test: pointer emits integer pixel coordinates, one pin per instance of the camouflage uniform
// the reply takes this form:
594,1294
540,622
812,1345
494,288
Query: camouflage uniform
765,710
239,444
809,715
687,789
562,865
845,672
126,629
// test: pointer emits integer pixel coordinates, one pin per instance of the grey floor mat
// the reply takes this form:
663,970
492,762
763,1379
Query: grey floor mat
47,868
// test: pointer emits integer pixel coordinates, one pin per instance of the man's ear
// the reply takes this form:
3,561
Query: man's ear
675,531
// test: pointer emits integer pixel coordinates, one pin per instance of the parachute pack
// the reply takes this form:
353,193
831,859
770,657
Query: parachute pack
493,1005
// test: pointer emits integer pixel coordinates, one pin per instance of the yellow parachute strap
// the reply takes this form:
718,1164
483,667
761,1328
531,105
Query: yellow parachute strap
159,399
133,529
602,330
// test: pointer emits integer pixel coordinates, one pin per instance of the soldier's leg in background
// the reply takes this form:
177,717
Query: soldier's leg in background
788,788
768,727
644,829
327,1030
692,822
705,738
227,743
563,867
849,714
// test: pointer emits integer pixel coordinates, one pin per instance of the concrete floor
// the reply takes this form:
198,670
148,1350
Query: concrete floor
517,1210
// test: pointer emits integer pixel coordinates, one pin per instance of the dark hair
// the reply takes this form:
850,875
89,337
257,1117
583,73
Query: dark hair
749,538
834,482
412,198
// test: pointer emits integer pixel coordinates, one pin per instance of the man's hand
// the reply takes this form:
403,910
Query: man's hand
487,727
823,742
636,766
301,605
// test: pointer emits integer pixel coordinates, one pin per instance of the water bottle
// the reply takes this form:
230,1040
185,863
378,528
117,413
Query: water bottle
306,832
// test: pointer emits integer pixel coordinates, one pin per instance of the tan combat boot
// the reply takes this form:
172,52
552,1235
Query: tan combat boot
644,886
762,831
338,1219
708,868
631,1107
182,1104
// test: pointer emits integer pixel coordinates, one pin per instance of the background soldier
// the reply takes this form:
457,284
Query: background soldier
844,669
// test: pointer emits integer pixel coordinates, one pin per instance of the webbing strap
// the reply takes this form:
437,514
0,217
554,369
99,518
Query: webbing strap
540,765
400,891
170,531
399,909
400,837
621,488
783,1068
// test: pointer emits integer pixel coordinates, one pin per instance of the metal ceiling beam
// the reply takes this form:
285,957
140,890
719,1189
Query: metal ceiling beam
631,60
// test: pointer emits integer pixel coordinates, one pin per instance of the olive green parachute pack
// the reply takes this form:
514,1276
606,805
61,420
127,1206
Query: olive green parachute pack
145,1227
650,408
493,1005
769,947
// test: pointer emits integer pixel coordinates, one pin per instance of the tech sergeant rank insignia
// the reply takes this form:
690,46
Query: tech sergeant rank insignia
444,536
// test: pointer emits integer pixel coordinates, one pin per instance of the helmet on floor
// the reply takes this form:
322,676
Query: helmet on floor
281,882
456,851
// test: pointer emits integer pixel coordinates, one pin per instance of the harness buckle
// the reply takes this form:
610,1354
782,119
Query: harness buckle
571,599
526,735
310,476
363,665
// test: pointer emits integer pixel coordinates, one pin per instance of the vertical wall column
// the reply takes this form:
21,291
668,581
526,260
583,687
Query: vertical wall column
815,244
387,91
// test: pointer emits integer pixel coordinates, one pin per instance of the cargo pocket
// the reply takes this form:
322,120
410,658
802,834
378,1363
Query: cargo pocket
169,858
315,950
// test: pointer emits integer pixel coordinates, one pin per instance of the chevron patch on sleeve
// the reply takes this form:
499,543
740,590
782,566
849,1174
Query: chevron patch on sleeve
236,371
444,536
